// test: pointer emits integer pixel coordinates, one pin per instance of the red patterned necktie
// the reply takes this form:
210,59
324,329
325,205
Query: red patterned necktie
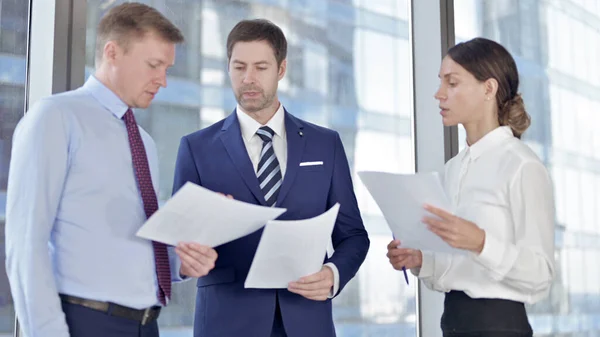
142,173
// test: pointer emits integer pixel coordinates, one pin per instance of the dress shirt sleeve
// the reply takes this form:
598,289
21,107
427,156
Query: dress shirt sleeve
433,268
527,264
175,264
336,280
38,170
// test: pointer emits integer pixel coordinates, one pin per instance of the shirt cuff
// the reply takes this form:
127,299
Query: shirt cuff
496,256
427,266
336,280
175,264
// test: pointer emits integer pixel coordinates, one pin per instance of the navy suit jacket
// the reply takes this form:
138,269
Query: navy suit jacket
216,158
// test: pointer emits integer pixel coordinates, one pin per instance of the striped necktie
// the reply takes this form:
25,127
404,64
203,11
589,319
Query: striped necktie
268,171
142,174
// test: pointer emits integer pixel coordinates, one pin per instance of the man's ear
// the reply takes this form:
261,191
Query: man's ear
282,69
111,51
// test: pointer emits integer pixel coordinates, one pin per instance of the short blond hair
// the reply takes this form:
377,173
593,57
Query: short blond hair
133,20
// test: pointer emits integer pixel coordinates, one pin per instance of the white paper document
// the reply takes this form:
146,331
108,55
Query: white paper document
289,250
196,214
401,198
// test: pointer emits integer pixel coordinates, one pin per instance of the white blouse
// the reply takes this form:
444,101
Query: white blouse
503,187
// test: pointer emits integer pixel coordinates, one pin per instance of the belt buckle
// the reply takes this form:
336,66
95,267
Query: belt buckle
146,316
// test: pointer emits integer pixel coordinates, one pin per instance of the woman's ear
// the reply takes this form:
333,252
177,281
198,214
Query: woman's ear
491,88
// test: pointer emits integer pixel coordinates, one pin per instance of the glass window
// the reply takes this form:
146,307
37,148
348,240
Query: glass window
13,46
353,76
13,23
554,47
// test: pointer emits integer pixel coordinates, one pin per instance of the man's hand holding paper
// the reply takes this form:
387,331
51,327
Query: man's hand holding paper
291,254
196,259
316,287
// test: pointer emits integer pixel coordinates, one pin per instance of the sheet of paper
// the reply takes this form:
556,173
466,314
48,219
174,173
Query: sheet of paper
196,214
401,198
289,250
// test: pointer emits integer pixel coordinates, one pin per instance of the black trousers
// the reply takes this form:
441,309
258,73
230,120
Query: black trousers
85,322
467,317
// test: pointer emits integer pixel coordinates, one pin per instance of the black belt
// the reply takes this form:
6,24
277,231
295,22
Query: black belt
144,316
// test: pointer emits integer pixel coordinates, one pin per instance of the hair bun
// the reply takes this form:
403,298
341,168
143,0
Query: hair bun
515,115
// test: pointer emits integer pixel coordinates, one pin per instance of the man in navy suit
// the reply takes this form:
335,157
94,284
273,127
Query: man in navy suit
262,154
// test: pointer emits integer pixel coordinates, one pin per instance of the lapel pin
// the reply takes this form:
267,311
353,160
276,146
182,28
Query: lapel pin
300,133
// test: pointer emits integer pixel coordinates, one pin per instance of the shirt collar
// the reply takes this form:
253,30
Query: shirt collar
249,125
106,97
490,141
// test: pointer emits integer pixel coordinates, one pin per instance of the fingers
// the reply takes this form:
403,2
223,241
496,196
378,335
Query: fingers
315,295
441,227
202,254
317,291
401,252
433,222
314,287
318,294
408,262
314,278
445,230
197,249
449,237
229,196
393,244
191,267
196,260
439,212
404,257
398,265
325,284
440,230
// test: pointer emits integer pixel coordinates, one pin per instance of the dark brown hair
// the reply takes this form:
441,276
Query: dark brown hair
258,30
486,59
132,20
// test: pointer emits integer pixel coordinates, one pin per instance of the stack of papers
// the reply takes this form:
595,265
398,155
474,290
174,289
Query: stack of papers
289,250
196,214
401,198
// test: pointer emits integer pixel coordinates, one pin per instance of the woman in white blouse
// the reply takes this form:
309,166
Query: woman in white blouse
502,197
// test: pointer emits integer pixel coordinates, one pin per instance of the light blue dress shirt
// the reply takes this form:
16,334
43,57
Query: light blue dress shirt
73,208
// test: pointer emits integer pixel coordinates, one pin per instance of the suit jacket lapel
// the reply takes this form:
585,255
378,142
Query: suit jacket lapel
295,148
234,144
